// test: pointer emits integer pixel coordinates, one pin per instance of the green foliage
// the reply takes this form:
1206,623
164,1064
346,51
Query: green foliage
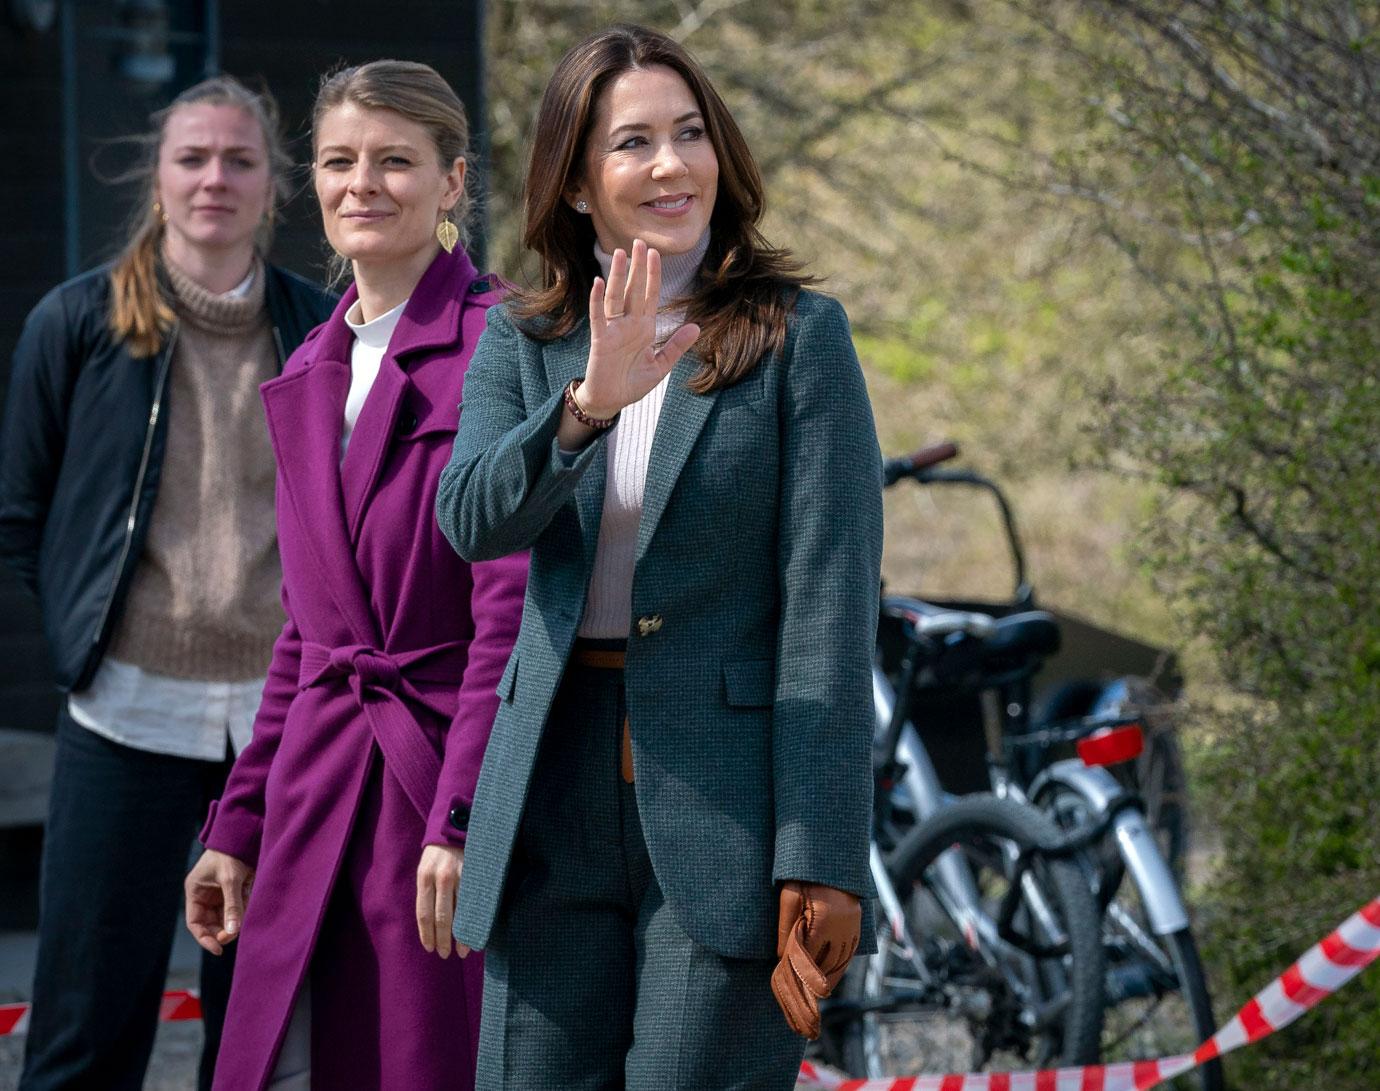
957,173
1263,429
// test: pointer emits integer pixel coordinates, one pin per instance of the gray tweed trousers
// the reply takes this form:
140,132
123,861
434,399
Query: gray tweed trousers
589,981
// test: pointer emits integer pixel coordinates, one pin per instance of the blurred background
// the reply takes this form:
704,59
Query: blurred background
1124,253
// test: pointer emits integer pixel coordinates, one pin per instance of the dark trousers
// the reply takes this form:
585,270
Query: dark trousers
590,981
121,823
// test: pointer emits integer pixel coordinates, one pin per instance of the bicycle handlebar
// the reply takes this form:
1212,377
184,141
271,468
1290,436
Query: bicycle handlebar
893,469
920,468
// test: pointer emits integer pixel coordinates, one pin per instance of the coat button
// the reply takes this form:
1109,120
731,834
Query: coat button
407,422
649,624
460,817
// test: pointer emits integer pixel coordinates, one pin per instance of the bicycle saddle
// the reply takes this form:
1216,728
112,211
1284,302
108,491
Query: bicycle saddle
1033,632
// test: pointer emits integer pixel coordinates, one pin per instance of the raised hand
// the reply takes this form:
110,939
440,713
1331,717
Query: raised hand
624,362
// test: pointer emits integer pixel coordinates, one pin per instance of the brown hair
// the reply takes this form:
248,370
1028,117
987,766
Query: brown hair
140,315
419,93
746,287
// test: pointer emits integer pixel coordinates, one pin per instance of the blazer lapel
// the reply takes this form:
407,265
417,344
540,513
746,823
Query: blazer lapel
305,409
683,414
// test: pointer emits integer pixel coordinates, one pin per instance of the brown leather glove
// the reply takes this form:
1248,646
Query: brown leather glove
816,934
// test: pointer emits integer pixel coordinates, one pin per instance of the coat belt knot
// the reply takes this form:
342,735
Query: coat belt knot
372,667
384,685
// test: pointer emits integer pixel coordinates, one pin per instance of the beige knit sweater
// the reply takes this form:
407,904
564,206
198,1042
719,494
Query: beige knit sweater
204,603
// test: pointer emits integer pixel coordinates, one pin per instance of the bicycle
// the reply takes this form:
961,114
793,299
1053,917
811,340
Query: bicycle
1010,970
1156,993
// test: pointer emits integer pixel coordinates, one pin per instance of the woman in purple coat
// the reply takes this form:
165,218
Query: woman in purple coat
355,790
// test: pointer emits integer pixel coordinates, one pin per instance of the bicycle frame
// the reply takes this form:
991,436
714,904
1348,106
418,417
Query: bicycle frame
953,887
962,901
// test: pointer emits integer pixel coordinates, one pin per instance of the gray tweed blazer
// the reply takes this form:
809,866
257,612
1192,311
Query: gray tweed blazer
748,676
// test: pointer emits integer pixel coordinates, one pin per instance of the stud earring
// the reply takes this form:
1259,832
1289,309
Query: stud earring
447,234
158,211
581,206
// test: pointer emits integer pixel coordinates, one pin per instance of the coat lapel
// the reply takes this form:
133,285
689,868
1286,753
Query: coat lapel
430,321
370,440
305,408
683,414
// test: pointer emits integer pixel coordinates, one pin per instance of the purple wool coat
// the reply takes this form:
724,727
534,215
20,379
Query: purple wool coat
375,716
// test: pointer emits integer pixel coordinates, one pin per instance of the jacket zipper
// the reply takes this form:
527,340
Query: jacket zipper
164,366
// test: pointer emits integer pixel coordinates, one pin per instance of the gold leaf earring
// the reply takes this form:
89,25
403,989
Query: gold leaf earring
447,234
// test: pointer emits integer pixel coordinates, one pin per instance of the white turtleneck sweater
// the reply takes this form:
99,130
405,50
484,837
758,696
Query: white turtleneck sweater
366,355
608,602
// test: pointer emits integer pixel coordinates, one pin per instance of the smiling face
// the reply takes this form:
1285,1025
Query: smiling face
213,178
381,188
648,170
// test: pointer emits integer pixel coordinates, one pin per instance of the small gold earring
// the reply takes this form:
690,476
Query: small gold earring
447,234
158,211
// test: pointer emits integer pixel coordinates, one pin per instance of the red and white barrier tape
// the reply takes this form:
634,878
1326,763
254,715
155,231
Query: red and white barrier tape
1322,970
178,1005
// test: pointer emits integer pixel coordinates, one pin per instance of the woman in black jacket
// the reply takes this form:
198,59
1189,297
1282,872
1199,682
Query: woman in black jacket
136,502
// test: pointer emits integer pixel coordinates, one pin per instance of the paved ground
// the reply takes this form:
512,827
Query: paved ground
176,1049
26,759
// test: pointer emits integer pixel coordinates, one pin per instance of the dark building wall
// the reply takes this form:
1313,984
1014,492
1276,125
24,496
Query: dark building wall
285,45
301,40
31,261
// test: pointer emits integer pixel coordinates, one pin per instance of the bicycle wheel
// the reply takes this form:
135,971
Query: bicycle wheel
1157,996
967,1000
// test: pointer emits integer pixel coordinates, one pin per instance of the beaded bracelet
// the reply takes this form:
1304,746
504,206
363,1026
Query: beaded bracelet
579,414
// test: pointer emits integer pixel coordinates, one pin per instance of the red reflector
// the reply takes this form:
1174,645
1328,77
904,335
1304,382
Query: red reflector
1111,745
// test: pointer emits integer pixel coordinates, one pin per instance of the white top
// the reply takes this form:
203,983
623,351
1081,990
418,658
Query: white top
184,717
608,601
371,343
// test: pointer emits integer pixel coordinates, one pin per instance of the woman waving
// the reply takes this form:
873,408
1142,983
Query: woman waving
677,792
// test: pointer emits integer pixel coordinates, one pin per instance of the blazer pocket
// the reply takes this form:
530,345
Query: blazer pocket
507,684
748,683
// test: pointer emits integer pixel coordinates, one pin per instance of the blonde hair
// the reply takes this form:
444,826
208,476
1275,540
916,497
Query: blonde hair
415,91
140,315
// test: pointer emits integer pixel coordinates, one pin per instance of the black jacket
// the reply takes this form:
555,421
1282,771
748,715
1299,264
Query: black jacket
81,453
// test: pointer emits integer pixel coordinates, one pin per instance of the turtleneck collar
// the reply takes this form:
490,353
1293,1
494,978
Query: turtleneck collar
677,271
232,312
377,332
